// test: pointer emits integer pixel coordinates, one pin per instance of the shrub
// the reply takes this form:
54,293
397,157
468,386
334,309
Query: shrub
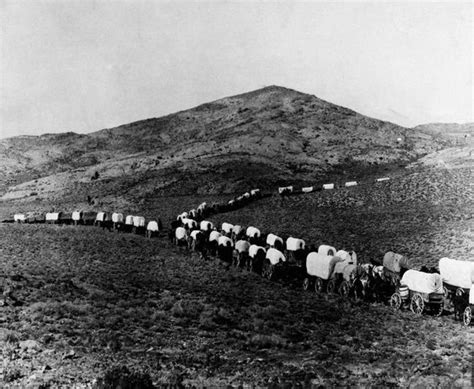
122,377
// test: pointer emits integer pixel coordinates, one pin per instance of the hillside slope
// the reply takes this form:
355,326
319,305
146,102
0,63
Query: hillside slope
266,137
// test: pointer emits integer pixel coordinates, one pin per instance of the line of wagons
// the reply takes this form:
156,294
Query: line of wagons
448,288
110,220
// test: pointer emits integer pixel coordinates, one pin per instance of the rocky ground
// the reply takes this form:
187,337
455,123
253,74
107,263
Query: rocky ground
79,300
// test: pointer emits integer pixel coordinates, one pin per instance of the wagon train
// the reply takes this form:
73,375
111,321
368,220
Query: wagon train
325,270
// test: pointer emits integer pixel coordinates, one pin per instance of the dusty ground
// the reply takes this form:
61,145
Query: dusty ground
88,299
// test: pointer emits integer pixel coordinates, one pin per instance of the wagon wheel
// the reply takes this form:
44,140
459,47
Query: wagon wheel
319,285
306,283
251,265
268,271
467,316
331,286
396,300
344,289
448,301
417,304
438,309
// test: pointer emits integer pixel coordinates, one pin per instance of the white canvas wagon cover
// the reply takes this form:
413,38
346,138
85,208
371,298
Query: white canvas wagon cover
321,265
19,217
418,281
227,227
272,238
50,216
326,250
76,215
275,256
294,244
100,217
242,246
307,189
457,273
195,233
117,217
225,241
190,223
348,271
180,233
214,235
253,249
347,257
236,229
395,262
471,295
129,220
206,225
139,221
152,226
252,232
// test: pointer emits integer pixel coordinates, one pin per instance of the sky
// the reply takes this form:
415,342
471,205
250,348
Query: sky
85,65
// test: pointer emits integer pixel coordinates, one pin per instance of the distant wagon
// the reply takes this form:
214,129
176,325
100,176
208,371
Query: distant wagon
138,225
128,226
227,228
19,218
52,217
320,267
241,254
117,221
328,186
76,217
285,190
88,217
274,261
274,241
307,189
152,229
350,183
256,258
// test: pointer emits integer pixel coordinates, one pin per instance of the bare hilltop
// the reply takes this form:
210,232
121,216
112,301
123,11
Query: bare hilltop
268,137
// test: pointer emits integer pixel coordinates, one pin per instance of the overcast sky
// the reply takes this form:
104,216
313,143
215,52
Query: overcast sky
86,65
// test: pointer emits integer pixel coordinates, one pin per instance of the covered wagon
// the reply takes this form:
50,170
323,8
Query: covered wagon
274,241
152,229
458,278
52,217
420,291
138,225
395,265
19,218
320,271
274,259
256,258
241,254
227,228
296,251
117,221
76,217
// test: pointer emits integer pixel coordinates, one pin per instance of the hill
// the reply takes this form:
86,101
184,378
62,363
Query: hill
267,137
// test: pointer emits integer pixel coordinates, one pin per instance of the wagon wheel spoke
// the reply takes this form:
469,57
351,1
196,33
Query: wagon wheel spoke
417,304
306,283
318,285
467,316
396,300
